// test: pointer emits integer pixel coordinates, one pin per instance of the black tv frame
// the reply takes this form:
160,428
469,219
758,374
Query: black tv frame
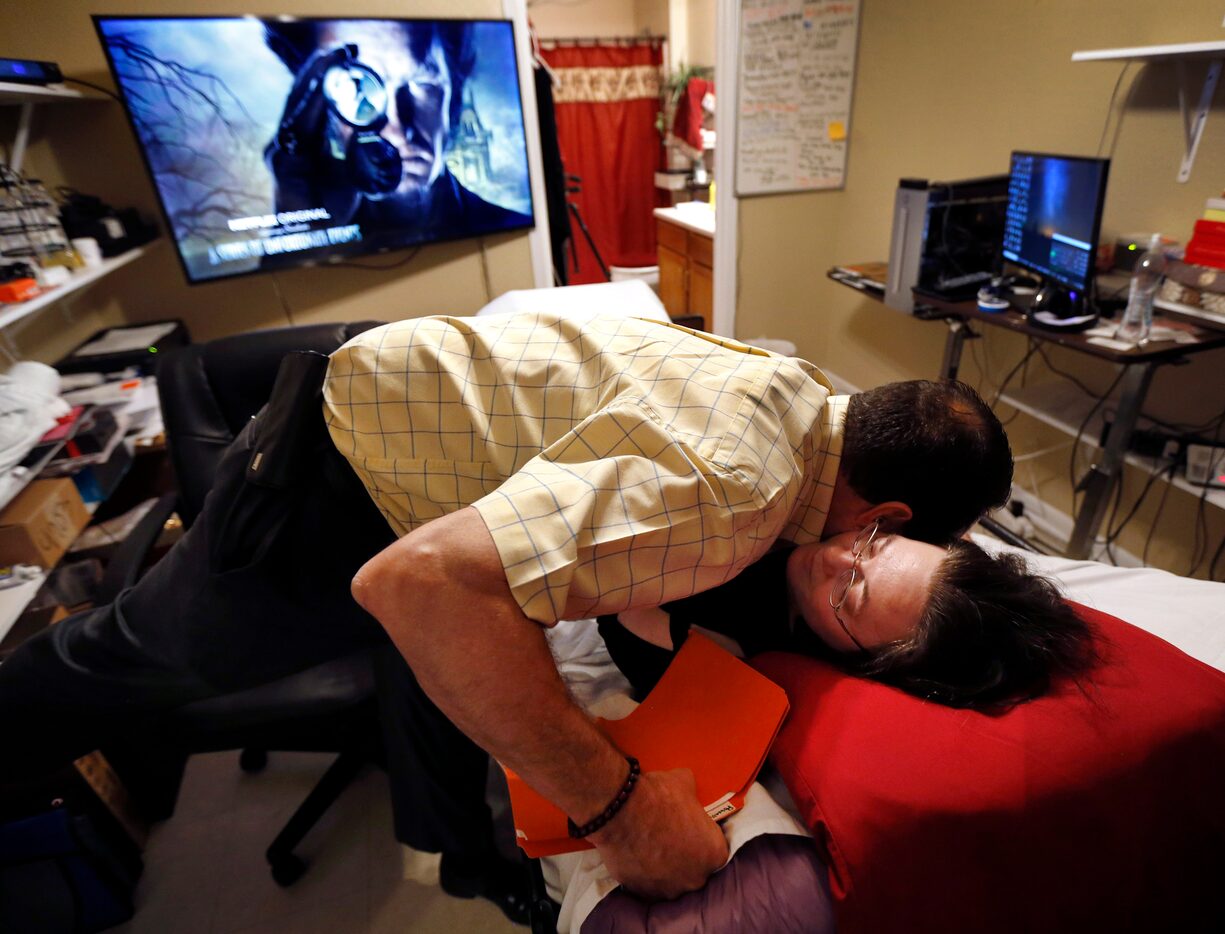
338,256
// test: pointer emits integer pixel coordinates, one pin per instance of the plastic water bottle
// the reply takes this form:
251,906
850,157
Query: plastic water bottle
1145,280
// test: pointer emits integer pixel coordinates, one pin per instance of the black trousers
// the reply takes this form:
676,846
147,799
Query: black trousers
258,588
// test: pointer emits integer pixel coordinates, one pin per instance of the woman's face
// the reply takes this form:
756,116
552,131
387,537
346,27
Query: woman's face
892,583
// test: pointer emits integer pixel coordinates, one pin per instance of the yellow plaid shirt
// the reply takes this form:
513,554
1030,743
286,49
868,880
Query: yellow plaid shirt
617,462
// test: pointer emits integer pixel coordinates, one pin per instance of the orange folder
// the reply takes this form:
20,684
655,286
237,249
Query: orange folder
710,713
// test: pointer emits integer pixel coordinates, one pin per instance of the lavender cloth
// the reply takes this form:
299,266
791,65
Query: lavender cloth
775,885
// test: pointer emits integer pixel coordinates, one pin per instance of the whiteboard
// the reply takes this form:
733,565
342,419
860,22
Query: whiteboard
796,74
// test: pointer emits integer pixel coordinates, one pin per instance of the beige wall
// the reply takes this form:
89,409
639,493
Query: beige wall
944,91
91,148
568,19
701,38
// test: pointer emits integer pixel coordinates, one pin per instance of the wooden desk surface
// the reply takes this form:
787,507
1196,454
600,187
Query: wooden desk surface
1152,352
1013,320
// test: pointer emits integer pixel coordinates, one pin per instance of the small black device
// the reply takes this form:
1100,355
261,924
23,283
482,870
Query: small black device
24,71
1052,225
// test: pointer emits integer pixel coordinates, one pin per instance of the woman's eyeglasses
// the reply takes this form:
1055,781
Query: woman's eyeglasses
846,580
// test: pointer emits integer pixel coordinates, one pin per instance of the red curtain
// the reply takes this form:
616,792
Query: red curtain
606,98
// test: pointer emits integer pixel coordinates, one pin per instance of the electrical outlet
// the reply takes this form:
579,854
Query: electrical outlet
1206,465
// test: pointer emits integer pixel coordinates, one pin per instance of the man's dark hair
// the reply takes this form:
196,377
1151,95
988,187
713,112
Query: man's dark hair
935,446
991,634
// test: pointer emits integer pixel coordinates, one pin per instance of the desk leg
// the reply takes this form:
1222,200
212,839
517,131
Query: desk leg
1105,474
958,332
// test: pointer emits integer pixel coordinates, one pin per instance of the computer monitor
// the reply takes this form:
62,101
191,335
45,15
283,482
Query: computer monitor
1054,216
283,141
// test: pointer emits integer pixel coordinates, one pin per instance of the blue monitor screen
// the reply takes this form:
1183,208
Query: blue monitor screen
280,142
1054,215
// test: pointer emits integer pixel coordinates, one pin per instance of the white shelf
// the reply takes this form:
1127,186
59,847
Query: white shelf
1154,53
41,94
15,311
26,96
1064,407
1193,120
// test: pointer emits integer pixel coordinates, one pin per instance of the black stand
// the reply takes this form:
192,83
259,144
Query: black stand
575,187
1058,308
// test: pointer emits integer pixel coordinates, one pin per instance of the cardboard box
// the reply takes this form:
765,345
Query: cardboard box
41,522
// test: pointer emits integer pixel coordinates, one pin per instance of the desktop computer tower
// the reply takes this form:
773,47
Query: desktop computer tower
946,238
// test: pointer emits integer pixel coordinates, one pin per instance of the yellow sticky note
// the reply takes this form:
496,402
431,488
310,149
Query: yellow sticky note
837,130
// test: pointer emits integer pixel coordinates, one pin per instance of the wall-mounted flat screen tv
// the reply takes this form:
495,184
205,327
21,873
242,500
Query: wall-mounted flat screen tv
281,141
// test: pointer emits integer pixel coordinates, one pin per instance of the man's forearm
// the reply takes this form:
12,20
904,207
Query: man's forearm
442,596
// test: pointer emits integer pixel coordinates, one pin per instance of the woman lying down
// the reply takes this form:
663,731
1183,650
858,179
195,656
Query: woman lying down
953,625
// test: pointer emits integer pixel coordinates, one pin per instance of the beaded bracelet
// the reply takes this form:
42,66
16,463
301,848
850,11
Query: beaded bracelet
577,832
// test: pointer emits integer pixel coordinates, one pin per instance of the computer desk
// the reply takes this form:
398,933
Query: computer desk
1139,364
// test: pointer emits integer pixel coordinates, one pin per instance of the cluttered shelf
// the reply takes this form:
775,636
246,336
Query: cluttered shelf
84,469
15,311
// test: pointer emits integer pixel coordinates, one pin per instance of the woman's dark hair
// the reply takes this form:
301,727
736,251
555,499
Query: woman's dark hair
991,634
935,446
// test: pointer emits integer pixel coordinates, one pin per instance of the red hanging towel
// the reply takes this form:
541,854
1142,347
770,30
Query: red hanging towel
687,122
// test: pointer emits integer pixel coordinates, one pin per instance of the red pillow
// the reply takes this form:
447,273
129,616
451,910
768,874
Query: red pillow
1083,810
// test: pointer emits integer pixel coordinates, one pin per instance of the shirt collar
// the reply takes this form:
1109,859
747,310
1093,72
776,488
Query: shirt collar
807,520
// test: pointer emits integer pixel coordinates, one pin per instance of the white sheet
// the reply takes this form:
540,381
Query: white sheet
629,297
1188,613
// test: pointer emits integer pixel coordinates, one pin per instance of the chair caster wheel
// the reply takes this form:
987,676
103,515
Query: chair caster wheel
253,760
287,869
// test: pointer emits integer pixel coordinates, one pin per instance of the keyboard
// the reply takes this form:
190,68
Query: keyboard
960,282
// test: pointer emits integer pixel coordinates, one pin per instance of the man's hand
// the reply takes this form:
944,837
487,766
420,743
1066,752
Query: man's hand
662,844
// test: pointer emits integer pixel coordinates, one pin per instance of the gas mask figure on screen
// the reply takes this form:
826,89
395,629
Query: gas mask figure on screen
365,125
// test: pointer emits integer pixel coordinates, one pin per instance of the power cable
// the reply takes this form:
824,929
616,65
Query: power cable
377,267
1110,107
1216,556
1013,372
485,273
1199,548
97,87
1157,516
276,286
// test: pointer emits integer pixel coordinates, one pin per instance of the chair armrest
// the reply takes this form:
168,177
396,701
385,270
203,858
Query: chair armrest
125,566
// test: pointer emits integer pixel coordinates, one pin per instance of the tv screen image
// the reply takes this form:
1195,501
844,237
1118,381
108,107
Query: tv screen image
282,141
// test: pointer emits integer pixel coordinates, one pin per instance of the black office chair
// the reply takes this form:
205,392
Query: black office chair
208,392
